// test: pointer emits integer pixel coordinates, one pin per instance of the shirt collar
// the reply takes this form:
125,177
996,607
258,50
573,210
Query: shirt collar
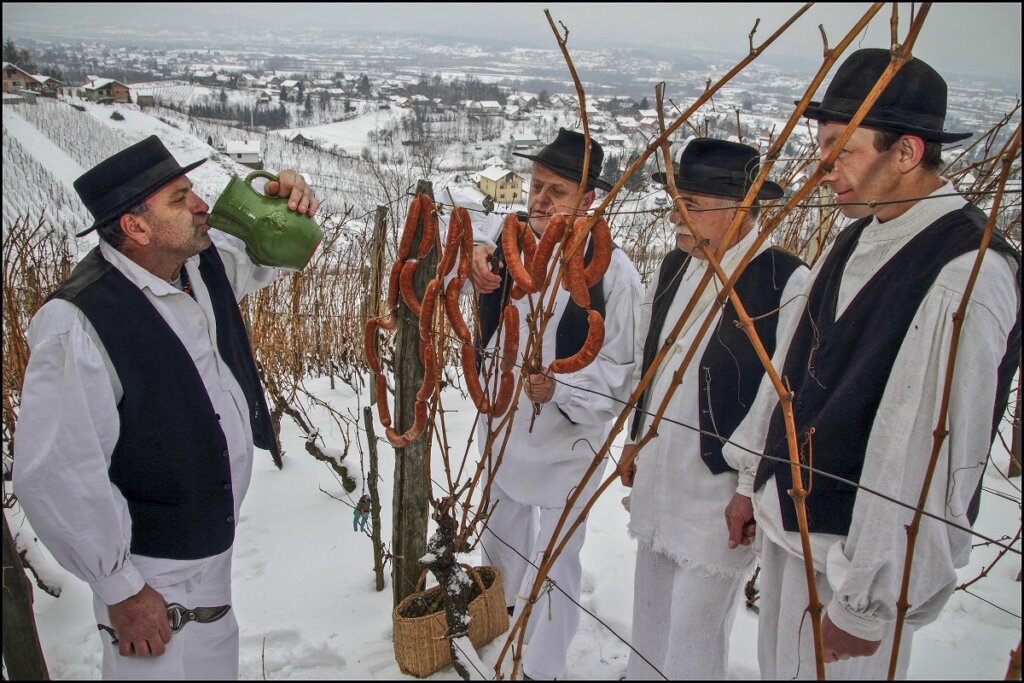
732,257
918,217
136,274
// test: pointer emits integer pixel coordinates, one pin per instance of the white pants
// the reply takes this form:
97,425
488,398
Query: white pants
785,642
198,651
554,619
682,618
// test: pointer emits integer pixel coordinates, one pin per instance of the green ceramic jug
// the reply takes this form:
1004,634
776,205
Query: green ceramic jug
274,235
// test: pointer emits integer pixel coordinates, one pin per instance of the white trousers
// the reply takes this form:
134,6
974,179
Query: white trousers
555,618
682,618
198,651
785,642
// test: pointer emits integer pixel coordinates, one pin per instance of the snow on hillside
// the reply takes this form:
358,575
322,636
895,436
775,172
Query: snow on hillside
347,136
64,142
303,580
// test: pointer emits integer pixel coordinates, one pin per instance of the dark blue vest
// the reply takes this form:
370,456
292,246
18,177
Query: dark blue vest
839,369
730,371
171,458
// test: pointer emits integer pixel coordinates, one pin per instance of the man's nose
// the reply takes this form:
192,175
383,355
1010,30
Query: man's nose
828,172
198,205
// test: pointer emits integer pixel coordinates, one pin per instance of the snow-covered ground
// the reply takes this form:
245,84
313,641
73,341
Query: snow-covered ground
307,608
348,136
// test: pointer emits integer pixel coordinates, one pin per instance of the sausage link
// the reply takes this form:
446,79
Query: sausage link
427,311
511,232
426,389
504,399
411,219
419,423
393,285
406,287
429,226
472,377
553,234
454,312
511,348
602,256
586,355
466,259
382,401
452,244
574,279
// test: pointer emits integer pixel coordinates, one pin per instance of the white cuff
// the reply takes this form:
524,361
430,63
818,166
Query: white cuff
855,625
745,483
563,393
119,586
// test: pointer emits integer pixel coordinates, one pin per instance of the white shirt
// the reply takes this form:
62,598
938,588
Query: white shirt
677,503
864,568
68,425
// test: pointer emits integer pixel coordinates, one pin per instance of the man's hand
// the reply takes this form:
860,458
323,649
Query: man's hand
627,471
480,273
141,623
539,387
838,644
739,519
293,186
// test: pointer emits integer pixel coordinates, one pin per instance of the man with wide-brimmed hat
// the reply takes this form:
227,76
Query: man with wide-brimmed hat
688,582
541,465
139,413
866,360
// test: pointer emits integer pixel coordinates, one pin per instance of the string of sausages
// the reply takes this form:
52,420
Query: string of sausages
458,244
530,272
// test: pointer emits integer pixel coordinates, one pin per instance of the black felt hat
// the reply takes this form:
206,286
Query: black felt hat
118,183
564,156
913,103
719,168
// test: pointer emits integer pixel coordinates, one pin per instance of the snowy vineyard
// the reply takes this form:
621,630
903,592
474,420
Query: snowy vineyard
308,333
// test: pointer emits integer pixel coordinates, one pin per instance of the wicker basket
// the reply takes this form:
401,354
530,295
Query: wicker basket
421,647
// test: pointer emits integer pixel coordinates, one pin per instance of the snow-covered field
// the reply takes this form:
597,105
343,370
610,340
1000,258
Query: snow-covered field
348,136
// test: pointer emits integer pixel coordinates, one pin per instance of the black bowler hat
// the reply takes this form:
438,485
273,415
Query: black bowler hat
719,168
913,103
118,183
564,156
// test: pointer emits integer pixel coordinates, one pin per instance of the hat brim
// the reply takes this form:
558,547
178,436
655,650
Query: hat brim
768,190
564,171
818,113
139,196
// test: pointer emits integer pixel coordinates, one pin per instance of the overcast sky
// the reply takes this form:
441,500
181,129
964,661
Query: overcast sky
975,38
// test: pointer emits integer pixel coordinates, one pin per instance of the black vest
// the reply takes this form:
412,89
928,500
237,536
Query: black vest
730,371
839,369
171,458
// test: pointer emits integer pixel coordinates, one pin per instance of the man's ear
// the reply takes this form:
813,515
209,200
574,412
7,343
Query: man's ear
911,151
588,199
135,228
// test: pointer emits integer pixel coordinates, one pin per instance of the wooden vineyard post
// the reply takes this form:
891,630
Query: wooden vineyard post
23,656
378,548
376,253
410,505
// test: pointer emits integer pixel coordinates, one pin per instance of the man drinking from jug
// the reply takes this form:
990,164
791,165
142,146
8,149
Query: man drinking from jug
139,413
